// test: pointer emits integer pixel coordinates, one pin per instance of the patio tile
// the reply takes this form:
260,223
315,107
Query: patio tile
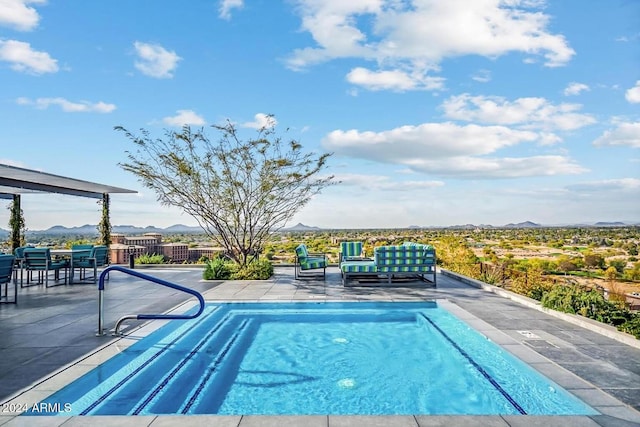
372,421
549,421
283,421
36,422
461,421
196,421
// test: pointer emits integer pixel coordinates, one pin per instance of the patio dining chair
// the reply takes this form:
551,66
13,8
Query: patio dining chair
6,276
97,257
39,260
79,253
19,262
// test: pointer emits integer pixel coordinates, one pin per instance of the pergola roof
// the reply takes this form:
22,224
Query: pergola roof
14,180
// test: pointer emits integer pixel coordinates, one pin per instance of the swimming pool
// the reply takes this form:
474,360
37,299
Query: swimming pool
315,358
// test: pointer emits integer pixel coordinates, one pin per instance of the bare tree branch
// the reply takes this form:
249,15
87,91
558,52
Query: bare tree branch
239,192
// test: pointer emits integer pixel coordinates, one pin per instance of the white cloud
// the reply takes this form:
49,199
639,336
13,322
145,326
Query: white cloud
260,121
396,80
623,134
632,95
607,185
414,37
490,168
18,15
448,149
155,61
227,5
575,88
435,140
184,117
482,76
530,112
384,183
23,58
68,106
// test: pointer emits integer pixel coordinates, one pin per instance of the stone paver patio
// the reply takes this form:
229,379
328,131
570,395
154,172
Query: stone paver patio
52,330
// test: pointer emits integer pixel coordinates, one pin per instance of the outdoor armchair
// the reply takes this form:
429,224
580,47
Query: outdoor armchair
6,275
308,263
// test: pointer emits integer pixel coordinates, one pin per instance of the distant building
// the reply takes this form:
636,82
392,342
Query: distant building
174,252
151,243
119,253
197,253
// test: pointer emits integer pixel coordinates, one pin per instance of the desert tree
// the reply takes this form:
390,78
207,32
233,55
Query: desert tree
238,190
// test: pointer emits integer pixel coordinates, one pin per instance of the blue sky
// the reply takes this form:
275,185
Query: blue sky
437,112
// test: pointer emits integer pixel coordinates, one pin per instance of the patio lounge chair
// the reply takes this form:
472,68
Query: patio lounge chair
39,259
6,275
307,261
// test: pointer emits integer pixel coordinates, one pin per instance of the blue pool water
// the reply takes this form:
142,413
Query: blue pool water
316,358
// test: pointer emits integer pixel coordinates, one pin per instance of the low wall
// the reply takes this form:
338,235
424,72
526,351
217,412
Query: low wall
584,322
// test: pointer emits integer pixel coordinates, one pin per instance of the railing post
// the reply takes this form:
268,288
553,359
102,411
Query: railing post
100,313
132,257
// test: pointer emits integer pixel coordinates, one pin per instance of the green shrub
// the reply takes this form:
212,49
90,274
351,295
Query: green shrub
631,326
217,269
256,270
491,274
150,259
533,284
586,302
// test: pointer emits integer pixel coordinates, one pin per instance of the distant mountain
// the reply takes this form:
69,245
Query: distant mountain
464,227
60,229
301,227
180,228
88,229
92,230
609,224
526,224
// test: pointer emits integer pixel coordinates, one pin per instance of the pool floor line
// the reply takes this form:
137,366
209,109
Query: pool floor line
479,368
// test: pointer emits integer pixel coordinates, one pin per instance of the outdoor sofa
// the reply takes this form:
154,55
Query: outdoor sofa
413,260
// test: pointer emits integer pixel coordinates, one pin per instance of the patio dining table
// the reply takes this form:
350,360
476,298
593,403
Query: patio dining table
70,255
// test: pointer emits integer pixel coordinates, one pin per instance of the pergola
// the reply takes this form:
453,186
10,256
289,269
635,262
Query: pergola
15,181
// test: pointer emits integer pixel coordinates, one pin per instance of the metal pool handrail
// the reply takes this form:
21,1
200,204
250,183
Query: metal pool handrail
156,280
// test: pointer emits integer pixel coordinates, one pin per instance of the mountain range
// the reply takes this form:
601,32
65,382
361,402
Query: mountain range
89,229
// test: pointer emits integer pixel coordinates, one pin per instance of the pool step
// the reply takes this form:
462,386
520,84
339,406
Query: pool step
146,368
183,382
212,377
